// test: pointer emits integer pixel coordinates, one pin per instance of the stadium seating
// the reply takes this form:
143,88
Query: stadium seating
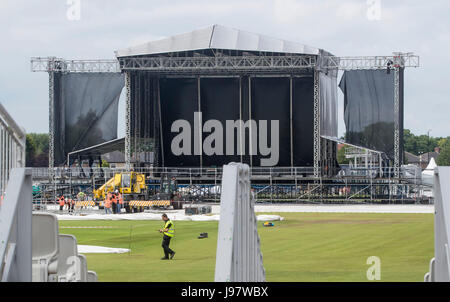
83,268
68,262
44,246
92,276
55,256
431,274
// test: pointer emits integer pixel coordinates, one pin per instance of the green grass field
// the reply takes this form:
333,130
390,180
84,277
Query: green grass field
303,247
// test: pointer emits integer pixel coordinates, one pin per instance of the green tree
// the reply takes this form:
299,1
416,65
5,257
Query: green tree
419,144
444,157
443,141
37,150
30,150
409,141
341,156
41,140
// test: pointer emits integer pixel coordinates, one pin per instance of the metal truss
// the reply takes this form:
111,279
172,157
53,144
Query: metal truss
128,121
397,122
399,61
51,121
218,64
229,64
396,61
221,63
372,62
53,64
316,125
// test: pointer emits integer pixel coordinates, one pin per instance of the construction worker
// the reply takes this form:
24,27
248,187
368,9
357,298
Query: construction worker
114,202
120,201
168,231
68,203
81,196
72,204
108,204
61,203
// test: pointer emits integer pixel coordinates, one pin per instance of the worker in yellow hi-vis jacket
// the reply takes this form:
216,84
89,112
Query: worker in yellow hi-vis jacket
168,231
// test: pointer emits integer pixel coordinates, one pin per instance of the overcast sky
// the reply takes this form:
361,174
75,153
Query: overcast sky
42,28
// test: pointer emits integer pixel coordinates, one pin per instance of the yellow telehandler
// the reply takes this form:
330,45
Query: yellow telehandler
130,184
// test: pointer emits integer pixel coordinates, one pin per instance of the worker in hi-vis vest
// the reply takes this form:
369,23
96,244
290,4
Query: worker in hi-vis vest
168,231
107,204
61,203
120,201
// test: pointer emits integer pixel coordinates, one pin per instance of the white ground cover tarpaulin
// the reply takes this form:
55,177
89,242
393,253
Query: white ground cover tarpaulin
180,216
174,215
89,249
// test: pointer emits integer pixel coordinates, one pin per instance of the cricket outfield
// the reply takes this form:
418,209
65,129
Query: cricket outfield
303,247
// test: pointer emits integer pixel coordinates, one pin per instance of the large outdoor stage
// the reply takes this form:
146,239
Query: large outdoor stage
244,97
218,95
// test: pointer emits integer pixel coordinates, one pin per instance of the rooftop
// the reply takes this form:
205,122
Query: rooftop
217,37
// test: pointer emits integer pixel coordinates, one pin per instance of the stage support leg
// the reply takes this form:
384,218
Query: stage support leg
128,122
51,124
250,148
397,122
241,150
317,149
51,132
290,122
200,129
158,96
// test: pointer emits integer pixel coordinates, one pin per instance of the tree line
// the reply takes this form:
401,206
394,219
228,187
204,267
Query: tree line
420,144
417,145
37,150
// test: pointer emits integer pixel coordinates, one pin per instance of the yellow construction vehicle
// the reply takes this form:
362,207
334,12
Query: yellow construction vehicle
130,184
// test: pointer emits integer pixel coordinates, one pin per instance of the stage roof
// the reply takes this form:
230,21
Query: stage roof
103,148
340,141
218,37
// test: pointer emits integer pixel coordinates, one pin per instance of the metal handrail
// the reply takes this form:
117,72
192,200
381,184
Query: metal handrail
15,228
87,172
12,147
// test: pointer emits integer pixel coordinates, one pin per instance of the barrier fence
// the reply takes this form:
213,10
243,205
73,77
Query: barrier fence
439,270
12,148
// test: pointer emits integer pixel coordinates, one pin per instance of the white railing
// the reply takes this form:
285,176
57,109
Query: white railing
15,228
239,257
12,147
440,264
